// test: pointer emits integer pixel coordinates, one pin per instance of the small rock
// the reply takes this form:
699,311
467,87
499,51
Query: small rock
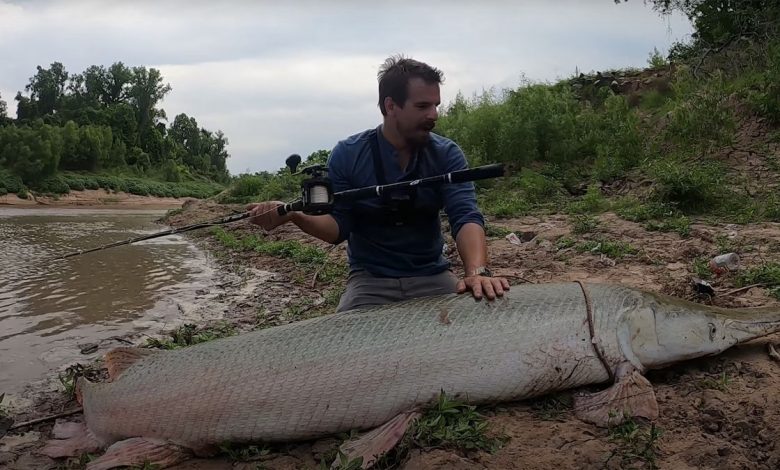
724,451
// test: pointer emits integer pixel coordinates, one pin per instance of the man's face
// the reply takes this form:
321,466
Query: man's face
417,118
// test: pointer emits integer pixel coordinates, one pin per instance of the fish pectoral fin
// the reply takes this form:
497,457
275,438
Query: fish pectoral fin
119,359
70,440
140,451
630,396
377,442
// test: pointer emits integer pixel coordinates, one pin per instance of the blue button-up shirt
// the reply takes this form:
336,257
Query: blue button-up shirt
389,250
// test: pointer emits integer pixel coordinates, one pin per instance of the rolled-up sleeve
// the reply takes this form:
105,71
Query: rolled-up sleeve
337,172
460,200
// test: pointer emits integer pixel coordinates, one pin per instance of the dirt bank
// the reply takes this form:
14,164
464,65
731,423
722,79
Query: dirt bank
94,198
715,413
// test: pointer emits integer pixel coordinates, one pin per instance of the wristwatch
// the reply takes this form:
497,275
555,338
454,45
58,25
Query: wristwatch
482,271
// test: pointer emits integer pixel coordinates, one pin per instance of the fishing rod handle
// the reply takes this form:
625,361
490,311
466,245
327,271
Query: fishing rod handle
289,207
478,173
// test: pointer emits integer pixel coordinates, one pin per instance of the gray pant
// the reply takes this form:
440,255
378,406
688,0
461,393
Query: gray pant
363,288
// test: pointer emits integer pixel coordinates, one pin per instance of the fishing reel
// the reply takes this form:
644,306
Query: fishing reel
316,191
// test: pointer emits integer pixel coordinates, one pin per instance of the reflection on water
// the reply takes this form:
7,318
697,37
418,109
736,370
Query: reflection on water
47,307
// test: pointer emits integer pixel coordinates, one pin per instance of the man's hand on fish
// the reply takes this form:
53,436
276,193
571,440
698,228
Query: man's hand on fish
490,287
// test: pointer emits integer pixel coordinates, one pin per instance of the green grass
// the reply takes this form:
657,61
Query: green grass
610,248
767,274
593,202
681,225
448,424
495,231
722,383
635,444
584,224
189,334
701,267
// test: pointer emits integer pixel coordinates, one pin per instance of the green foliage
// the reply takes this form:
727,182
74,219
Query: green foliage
300,253
613,249
503,204
244,453
700,118
51,185
584,224
701,267
656,59
690,187
495,231
105,118
537,187
680,225
189,334
767,274
11,182
453,424
592,203
636,443
722,383
764,95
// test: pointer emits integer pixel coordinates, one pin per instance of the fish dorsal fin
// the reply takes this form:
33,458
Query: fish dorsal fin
119,359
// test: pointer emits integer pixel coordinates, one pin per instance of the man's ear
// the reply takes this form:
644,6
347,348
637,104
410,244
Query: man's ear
390,105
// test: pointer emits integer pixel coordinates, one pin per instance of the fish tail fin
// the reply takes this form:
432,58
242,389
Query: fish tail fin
119,359
140,451
70,439
374,444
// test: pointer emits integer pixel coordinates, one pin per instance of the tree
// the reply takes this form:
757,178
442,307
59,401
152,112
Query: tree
3,112
47,87
146,90
718,22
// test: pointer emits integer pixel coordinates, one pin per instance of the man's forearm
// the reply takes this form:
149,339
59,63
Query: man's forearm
472,247
323,227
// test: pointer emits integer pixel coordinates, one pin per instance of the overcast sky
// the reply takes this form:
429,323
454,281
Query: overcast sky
294,78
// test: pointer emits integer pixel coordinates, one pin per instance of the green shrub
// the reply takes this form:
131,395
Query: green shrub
11,182
52,185
591,203
537,187
690,187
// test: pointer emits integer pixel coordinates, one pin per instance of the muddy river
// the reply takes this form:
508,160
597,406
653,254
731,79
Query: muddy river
52,312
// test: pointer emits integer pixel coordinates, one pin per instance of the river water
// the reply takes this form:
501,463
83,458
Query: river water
49,310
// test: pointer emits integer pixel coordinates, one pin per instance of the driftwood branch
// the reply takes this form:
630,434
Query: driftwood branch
45,419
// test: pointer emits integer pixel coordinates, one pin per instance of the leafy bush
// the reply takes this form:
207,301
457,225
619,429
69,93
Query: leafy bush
11,182
689,187
52,185
700,117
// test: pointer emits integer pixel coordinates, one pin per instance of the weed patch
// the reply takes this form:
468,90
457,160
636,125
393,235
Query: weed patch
189,334
721,383
767,274
92,372
636,443
584,224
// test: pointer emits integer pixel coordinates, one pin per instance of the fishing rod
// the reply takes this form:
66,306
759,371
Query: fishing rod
318,198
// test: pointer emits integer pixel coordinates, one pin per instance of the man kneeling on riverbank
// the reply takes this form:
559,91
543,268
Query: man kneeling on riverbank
395,243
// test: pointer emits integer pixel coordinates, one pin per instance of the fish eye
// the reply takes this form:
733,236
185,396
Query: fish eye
713,330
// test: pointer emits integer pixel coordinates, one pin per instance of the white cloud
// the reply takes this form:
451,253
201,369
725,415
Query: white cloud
299,76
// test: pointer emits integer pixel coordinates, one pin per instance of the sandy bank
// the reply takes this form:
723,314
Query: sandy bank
95,198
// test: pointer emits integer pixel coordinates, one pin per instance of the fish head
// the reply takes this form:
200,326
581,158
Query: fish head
663,330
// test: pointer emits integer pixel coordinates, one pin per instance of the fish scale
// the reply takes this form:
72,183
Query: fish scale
352,370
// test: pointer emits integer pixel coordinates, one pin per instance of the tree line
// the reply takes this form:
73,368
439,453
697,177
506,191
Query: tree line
105,119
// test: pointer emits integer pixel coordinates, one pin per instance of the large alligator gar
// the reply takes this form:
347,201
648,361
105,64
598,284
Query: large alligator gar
376,367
